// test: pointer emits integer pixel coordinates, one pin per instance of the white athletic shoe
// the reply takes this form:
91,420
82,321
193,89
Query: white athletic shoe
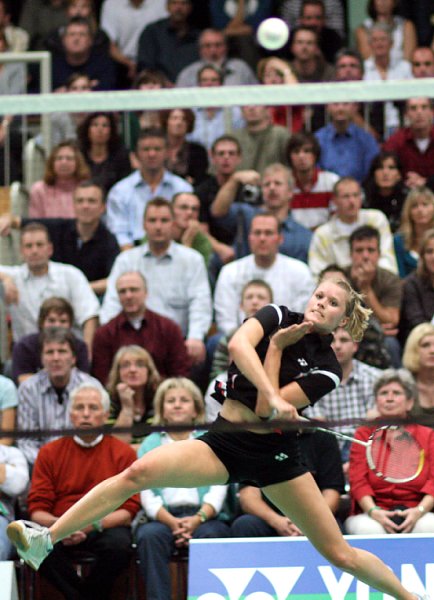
419,597
32,541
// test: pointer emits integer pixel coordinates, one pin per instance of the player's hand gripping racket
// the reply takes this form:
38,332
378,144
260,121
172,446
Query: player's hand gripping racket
391,451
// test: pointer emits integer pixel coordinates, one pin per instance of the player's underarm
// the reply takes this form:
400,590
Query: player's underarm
293,394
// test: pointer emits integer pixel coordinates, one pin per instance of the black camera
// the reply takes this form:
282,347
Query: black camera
251,194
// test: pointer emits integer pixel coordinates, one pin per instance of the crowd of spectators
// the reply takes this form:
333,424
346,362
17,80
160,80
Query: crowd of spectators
152,235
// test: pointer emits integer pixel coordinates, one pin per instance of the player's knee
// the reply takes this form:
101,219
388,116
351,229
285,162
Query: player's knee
343,557
136,475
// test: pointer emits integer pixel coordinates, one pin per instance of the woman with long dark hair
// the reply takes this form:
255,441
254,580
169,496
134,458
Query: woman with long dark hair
103,150
385,189
186,159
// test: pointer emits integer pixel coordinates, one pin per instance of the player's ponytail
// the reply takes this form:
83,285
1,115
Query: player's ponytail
358,314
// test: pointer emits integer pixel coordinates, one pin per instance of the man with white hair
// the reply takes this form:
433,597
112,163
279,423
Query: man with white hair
64,471
381,66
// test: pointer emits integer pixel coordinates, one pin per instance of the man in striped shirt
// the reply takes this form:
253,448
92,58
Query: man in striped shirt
43,398
311,203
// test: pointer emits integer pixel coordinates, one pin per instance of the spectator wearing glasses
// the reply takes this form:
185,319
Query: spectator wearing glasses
79,54
186,227
213,50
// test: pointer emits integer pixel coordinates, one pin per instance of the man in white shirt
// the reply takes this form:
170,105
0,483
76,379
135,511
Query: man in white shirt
381,67
329,243
289,278
124,21
28,285
178,282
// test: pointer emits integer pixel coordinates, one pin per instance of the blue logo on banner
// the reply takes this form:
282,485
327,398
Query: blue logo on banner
279,568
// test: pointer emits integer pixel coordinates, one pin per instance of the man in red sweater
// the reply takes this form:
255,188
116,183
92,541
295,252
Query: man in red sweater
64,471
414,144
136,324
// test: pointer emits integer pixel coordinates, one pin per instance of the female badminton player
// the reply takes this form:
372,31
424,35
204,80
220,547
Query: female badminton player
275,341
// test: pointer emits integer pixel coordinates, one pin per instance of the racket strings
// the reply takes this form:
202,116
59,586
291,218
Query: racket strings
395,454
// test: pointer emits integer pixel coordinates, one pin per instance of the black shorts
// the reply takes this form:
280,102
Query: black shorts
259,459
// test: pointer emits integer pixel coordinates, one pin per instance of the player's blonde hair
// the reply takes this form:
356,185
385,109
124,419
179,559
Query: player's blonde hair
358,314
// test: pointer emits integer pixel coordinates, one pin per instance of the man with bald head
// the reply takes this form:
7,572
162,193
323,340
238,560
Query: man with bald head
136,324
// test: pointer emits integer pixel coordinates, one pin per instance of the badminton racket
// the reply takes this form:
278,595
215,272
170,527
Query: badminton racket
392,452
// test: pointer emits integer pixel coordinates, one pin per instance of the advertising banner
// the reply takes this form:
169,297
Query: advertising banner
282,568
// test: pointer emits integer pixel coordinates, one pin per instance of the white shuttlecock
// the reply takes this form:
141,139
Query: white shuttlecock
272,33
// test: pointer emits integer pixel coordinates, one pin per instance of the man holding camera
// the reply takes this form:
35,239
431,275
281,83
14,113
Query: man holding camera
272,194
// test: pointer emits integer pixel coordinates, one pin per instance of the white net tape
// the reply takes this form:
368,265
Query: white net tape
313,93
